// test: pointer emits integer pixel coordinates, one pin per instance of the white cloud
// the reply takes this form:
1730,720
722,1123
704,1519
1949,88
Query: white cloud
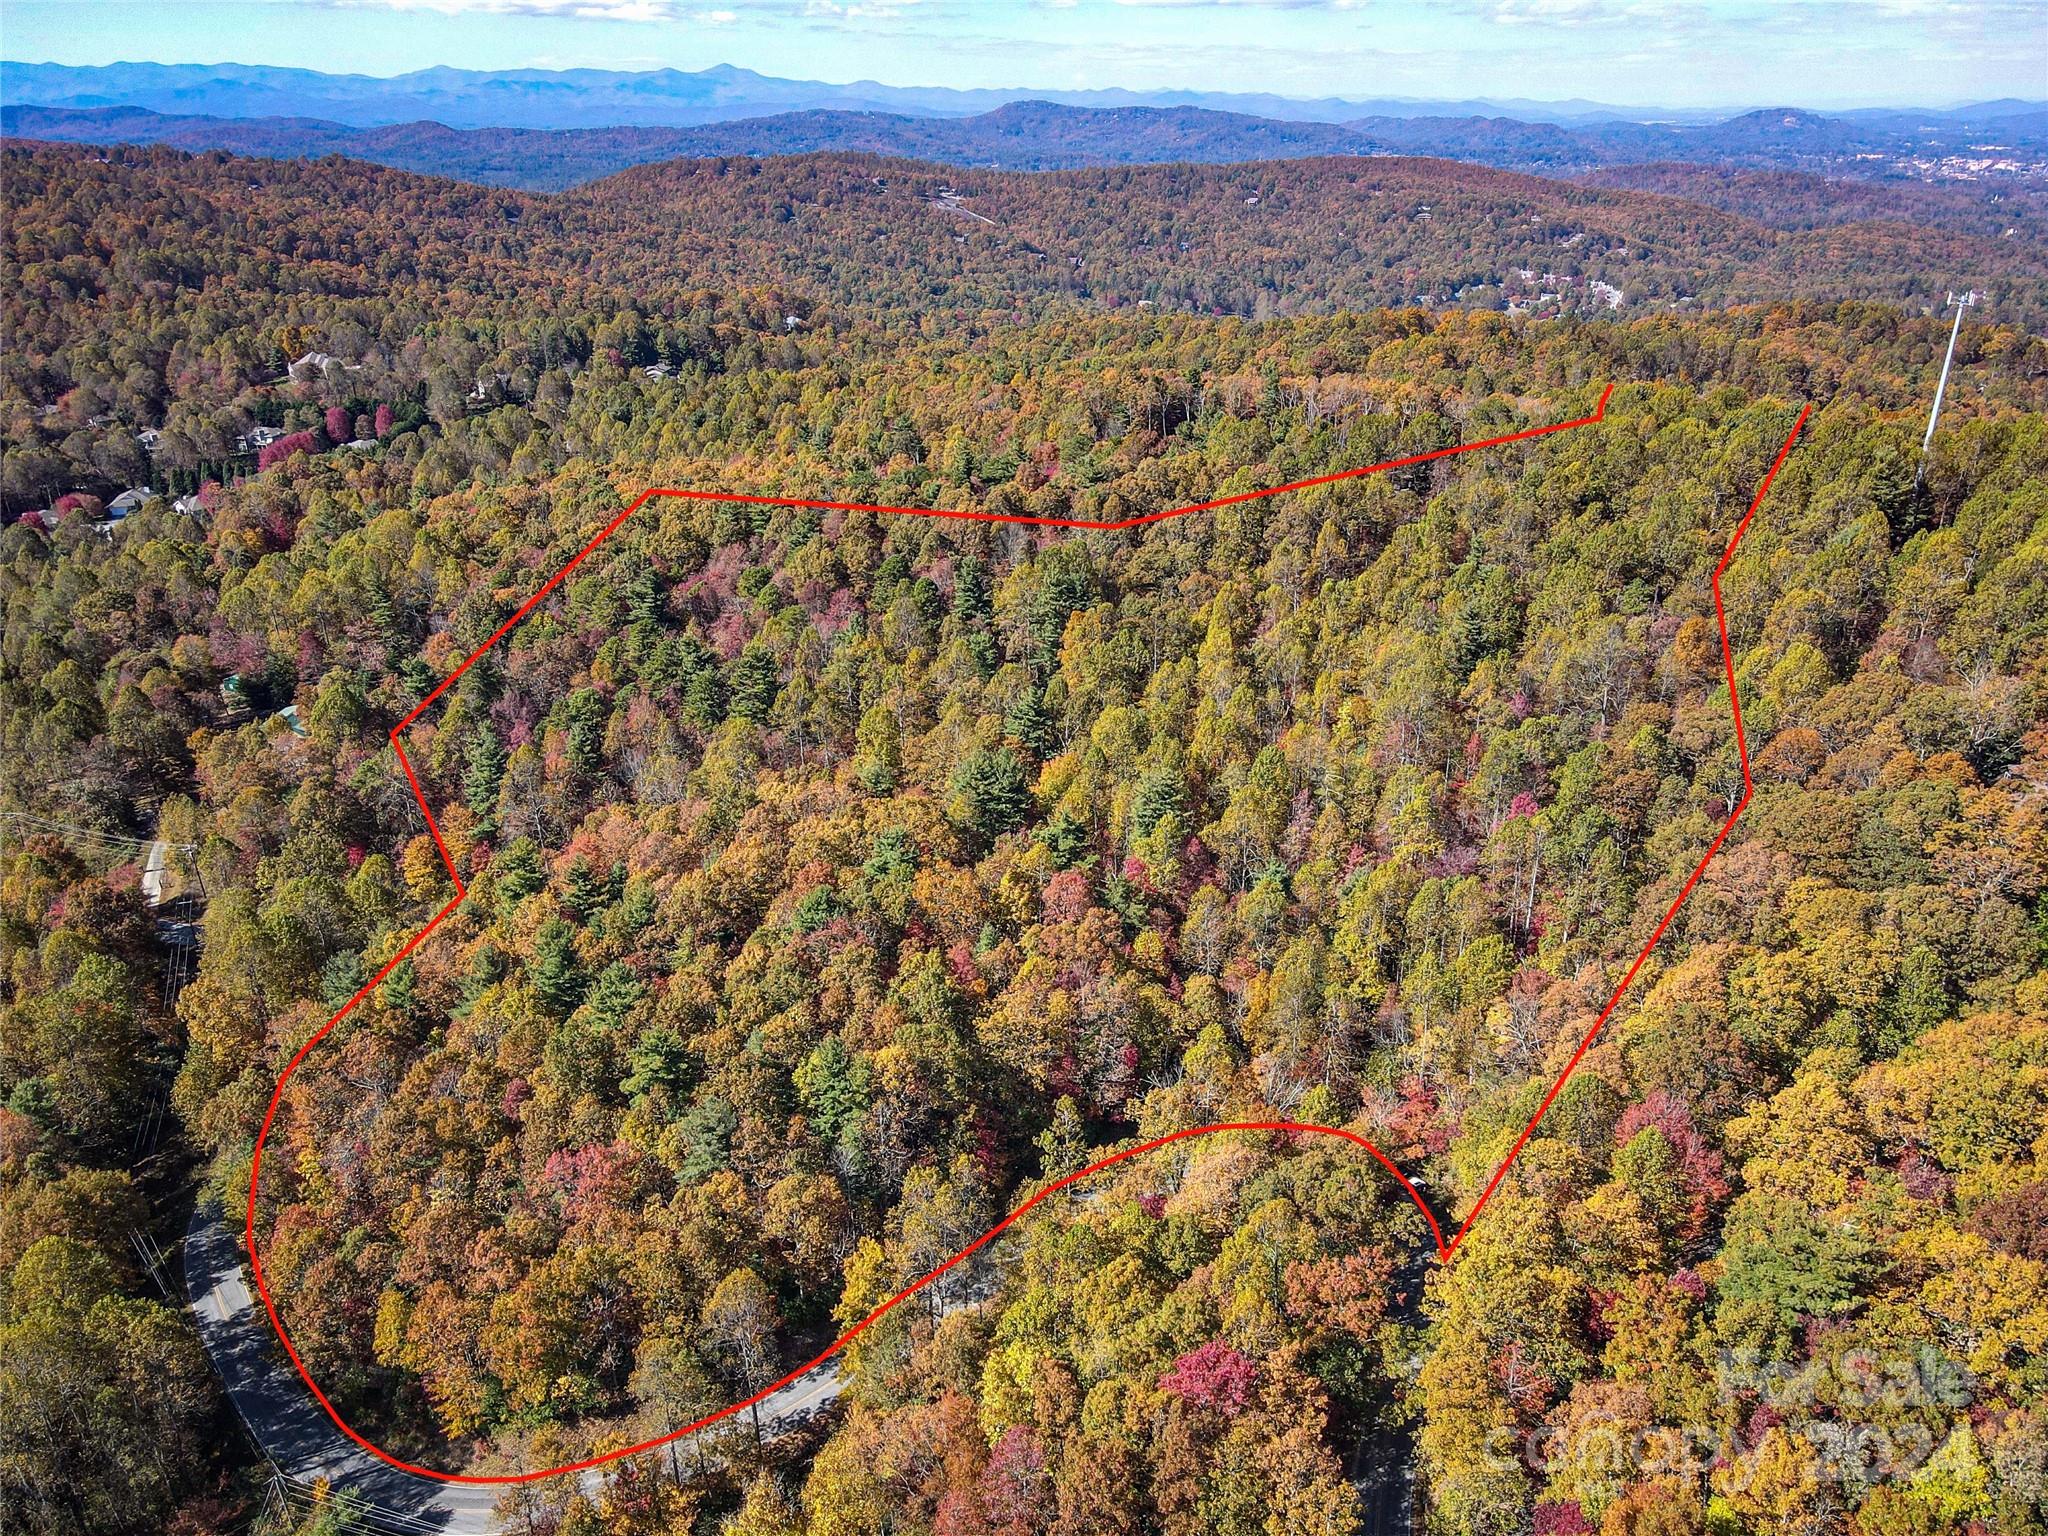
582,10
1566,13
853,10
1241,5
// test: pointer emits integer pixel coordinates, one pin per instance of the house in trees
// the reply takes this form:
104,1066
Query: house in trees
234,695
128,501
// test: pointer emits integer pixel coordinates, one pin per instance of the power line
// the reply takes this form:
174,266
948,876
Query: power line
118,838
351,1511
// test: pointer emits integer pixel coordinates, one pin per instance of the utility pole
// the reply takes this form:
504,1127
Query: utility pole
1962,301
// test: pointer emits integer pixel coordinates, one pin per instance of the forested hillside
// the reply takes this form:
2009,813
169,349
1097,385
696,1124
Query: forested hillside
836,880
166,293
1274,238
1795,200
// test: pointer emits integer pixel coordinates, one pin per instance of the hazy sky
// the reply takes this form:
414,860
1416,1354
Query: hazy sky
1666,52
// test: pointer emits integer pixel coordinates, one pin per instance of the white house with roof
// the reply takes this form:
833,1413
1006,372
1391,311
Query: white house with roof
313,363
256,439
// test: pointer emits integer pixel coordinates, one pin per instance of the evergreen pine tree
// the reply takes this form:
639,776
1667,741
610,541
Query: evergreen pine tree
558,976
1027,723
485,770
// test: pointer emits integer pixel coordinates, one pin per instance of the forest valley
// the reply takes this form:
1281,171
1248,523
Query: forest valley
837,880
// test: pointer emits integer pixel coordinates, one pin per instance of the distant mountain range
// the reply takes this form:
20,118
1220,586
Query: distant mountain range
671,98
1041,135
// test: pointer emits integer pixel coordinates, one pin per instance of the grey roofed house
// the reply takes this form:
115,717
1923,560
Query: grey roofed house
256,438
130,500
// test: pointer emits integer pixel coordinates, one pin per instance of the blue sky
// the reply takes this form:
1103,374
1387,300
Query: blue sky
1682,53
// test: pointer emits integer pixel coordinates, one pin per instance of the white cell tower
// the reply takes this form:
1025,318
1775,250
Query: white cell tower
1962,301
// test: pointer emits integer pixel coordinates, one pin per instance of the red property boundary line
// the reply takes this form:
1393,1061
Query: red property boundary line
1445,1249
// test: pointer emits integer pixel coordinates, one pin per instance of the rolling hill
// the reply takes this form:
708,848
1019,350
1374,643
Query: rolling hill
539,98
895,238
1046,135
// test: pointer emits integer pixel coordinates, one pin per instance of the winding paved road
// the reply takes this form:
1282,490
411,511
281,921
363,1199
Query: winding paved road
1385,1469
302,1442
154,866
281,1414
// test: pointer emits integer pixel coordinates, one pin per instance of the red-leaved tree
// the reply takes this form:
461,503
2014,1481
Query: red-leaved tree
284,448
1700,1169
1213,1376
